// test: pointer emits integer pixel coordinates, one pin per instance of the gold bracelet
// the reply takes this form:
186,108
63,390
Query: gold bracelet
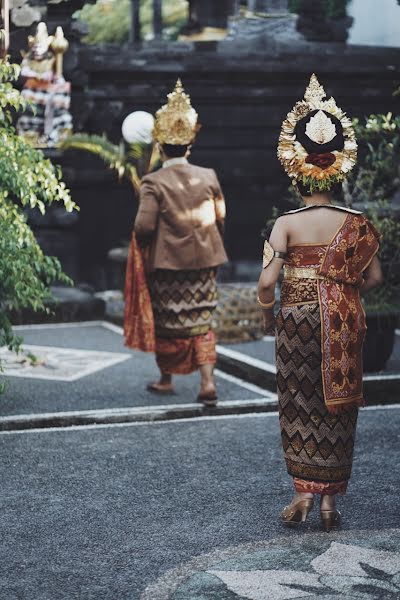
265,306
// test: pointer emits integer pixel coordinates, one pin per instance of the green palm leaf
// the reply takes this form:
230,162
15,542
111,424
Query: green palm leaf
100,146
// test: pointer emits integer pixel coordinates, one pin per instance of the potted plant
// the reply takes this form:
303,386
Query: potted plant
374,188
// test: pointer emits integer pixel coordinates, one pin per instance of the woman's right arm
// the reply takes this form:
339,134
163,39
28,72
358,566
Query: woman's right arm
373,276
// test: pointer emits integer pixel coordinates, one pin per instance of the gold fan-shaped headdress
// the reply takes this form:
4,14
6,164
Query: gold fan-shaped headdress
318,170
176,122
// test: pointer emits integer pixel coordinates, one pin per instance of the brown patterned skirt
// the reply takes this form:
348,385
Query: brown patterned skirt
318,446
183,305
183,301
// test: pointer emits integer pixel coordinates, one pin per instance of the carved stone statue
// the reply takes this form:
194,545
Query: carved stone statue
48,120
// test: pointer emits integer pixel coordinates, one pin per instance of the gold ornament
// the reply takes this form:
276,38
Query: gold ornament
176,122
268,254
315,92
321,130
59,45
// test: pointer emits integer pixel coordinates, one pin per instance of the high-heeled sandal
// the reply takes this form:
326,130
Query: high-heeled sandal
331,519
298,513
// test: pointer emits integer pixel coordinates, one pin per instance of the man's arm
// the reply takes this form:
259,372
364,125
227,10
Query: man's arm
219,203
147,215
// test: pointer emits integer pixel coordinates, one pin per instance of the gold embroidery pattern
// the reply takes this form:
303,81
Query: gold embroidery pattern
317,444
299,291
291,272
343,318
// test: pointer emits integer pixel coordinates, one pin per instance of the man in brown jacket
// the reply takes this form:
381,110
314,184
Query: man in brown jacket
181,216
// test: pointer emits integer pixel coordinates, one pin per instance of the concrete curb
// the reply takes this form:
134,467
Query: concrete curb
131,415
379,388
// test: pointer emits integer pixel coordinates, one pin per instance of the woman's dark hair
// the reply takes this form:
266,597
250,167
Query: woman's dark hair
175,151
305,191
312,147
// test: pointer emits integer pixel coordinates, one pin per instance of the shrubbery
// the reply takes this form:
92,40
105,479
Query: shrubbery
27,179
109,20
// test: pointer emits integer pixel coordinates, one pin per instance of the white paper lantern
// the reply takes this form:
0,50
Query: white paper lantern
137,128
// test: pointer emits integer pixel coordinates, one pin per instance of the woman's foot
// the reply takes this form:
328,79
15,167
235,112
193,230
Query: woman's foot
297,511
330,516
328,502
164,386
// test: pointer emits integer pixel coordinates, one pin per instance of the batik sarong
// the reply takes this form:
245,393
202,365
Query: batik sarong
318,446
183,304
320,331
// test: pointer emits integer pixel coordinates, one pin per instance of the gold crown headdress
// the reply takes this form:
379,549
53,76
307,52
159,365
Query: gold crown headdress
176,121
322,167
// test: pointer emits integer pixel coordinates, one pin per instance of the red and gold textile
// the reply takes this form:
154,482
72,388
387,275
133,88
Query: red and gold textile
139,320
331,275
317,445
183,301
320,332
181,356
183,305
170,313
319,487
343,323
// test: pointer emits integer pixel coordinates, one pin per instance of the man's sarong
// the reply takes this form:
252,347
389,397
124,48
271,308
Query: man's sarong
183,304
138,318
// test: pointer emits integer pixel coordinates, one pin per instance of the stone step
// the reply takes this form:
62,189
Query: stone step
70,304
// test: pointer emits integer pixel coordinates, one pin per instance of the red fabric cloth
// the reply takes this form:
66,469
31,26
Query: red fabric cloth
330,488
343,322
181,356
138,318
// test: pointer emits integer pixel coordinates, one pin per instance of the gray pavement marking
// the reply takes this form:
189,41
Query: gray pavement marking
381,407
244,384
380,377
121,415
70,325
244,358
268,367
255,415
59,364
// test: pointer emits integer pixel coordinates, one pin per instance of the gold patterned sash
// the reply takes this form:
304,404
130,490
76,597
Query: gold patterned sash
291,272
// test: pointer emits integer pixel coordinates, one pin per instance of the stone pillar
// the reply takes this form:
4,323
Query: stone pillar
214,14
252,5
279,7
134,35
5,25
157,19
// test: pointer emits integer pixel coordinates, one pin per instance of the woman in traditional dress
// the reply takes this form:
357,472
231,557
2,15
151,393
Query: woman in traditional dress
181,216
328,254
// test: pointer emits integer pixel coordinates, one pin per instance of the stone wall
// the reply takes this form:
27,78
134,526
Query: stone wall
241,101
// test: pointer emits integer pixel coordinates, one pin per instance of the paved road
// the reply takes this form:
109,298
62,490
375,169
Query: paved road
118,385
104,513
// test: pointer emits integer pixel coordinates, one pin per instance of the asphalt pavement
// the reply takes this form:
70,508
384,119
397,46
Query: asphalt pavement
94,385
188,510
180,509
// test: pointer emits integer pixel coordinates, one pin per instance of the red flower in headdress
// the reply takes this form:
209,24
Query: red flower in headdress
323,161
